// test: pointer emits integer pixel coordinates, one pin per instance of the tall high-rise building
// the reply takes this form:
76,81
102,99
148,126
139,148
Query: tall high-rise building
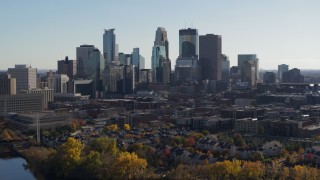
95,65
142,62
26,77
269,78
145,76
161,65
162,40
58,82
249,73
68,67
136,59
225,69
188,43
210,56
119,79
83,56
85,87
7,85
242,58
281,69
292,76
158,52
110,49
125,59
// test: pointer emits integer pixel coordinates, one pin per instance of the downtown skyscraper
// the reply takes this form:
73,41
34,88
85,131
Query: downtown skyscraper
210,56
161,65
83,57
186,68
110,48
162,40
249,68
188,43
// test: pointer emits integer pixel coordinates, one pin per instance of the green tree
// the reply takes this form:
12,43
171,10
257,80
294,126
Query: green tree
92,161
104,145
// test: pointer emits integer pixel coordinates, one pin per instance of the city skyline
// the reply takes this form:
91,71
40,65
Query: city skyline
283,32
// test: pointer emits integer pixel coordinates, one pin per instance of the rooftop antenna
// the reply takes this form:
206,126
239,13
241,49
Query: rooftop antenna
30,63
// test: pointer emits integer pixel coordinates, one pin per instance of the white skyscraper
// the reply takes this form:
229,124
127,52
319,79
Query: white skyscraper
26,77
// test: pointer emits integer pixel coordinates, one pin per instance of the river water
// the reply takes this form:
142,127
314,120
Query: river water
11,168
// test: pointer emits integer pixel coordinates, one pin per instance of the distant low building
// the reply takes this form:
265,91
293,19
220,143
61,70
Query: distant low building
29,121
21,103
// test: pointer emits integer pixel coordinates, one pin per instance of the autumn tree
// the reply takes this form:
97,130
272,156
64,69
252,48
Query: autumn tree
197,135
5,135
129,166
127,127
225,169
69,155
77,123
112,127
252,170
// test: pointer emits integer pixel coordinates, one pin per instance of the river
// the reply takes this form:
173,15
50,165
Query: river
11,168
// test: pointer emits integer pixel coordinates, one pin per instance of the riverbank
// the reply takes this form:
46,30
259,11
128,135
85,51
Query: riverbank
14,167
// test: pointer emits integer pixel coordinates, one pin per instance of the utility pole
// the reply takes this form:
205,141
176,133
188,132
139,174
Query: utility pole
38,127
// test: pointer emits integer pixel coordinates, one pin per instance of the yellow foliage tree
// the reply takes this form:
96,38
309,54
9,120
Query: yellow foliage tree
127,127
112,127
225,169
252,170
5,135
69,155
129,166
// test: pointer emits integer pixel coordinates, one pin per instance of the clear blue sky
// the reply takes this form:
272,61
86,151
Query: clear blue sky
278,31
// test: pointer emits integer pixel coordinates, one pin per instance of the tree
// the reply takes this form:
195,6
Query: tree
112,127
77,123
189,142
252,170
205,132
5,135
238,140
129,166
257,156
127,127
69,155
104,145
93,161
225,169
197,136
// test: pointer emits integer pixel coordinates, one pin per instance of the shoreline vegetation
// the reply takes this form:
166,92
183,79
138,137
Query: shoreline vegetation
103,158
